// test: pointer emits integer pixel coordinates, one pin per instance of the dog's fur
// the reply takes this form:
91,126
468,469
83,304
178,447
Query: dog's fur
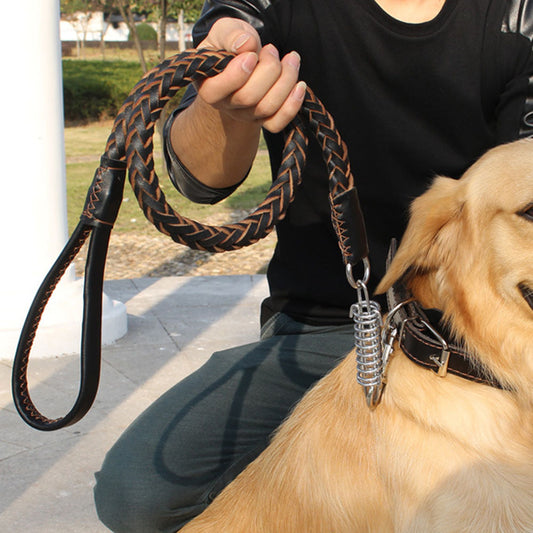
437,454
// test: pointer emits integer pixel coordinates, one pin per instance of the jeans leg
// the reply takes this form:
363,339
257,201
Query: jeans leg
173,460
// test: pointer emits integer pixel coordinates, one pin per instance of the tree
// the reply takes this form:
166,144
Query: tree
79,13
180,10
160,11
126,10
163,29
187,11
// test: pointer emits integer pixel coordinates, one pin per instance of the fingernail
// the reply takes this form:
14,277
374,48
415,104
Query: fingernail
249,63
298,92
272,50
240,40
293,59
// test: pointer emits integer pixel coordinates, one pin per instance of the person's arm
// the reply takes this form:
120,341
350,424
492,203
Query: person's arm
514,112
216,137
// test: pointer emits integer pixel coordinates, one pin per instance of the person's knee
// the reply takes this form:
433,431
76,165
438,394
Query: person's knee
121,504
127,499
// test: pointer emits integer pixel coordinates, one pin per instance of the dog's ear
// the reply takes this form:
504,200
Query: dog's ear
430,239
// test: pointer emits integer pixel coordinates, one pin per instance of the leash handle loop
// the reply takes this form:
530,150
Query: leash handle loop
130,146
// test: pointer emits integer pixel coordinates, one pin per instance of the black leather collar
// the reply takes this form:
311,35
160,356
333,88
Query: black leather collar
424,340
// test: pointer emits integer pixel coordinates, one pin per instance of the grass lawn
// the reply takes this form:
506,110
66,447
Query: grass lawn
85,144
112,53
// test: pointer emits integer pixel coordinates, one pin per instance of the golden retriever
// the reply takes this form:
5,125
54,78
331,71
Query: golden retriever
438,454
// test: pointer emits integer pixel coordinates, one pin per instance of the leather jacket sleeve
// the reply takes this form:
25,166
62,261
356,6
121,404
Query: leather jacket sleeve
184,181
252,12
515,109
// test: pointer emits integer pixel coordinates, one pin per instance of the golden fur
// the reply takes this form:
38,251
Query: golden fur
437,454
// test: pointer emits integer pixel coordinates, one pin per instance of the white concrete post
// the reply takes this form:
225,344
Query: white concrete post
33,220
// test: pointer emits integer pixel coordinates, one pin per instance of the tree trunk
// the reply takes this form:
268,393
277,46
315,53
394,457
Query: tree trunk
102,38
84,23
163,30
127,15
181,30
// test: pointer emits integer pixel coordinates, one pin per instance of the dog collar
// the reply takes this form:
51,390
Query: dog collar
425,342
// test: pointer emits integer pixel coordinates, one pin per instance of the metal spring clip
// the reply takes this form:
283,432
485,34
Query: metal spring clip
373,339
368,326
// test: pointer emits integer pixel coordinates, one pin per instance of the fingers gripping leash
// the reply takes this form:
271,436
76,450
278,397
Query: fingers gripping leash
130,149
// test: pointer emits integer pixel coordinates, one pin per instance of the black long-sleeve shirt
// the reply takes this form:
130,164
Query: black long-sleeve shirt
410,100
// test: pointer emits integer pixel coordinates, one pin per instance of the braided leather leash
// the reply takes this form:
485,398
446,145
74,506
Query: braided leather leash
130,147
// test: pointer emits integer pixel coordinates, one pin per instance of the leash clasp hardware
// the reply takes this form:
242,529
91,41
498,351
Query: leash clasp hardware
358,284
373,338
390,331
388,337
368,330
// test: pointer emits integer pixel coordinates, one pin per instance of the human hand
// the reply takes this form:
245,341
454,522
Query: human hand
257,85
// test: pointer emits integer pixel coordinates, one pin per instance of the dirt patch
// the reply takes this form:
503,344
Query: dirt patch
133,255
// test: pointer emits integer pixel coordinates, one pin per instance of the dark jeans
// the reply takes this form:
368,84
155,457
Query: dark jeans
189,444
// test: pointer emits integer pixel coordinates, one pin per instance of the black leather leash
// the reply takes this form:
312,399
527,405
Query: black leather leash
130,148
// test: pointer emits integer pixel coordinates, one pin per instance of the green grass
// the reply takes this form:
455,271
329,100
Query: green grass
85,144
94,89
87,141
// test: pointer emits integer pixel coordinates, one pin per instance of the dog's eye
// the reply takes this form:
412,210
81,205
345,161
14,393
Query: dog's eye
527,213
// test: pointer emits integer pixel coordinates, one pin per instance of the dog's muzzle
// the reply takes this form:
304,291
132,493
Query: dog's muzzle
527,293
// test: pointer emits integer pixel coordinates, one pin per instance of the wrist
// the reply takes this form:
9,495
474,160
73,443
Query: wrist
217,148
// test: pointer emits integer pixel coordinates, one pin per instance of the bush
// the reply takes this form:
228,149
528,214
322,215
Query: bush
96,89
93,90
145,32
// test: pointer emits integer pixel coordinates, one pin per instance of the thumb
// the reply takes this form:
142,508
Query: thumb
233,35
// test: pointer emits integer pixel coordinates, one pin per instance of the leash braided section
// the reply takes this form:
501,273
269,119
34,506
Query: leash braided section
346,212
130,146
132,139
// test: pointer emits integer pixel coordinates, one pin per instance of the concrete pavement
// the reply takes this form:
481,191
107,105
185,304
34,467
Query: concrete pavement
174,324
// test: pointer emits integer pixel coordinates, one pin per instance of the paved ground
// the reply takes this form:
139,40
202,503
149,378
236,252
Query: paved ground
174,324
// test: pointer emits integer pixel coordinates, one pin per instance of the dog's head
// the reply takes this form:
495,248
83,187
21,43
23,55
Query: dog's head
468,250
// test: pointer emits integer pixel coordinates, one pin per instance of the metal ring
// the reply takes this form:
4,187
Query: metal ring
366,274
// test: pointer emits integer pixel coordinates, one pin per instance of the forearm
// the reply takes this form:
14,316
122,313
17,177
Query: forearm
216,148
217,136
